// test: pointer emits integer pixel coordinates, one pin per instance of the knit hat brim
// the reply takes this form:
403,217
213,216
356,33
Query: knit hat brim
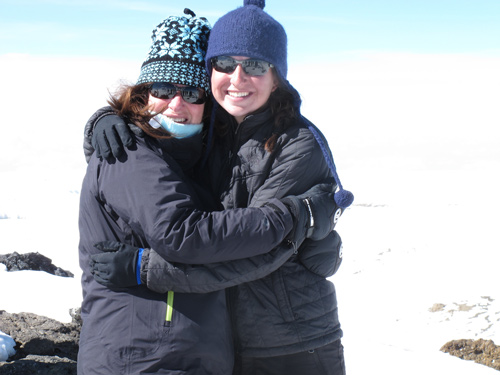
178,72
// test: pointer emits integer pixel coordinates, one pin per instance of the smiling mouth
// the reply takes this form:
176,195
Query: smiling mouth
177,119
239,94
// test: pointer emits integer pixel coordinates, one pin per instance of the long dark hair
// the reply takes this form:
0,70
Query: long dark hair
131,102
284,103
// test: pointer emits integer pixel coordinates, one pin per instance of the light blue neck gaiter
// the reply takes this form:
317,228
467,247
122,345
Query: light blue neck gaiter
176,129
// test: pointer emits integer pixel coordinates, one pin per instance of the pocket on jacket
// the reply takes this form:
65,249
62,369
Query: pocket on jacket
139,329
282,297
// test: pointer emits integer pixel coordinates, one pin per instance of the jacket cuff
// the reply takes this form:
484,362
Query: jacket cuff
143,268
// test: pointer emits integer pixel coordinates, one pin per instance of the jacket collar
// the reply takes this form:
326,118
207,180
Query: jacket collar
254,122
186,151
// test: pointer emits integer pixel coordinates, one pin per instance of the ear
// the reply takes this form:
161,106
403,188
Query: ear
275,85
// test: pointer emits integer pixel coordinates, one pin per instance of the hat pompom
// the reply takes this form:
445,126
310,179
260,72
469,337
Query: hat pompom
259,3
343,198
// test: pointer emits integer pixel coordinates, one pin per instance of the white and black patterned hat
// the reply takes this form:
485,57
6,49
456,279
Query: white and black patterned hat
177,54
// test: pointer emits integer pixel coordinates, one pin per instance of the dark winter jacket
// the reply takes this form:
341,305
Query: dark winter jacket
293,309
150,201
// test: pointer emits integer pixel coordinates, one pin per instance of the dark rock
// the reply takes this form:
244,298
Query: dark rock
43,345
76,315
40,365
480,351
32,261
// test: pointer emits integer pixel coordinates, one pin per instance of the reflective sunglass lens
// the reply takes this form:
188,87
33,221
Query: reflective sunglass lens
255,67
252,67
192,95
163,90
224,64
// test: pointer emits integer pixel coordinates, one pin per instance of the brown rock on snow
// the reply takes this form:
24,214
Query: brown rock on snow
480,351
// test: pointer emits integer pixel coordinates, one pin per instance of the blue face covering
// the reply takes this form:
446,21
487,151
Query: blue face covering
176,129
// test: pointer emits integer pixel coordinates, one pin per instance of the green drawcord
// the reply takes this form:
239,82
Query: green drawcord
170,306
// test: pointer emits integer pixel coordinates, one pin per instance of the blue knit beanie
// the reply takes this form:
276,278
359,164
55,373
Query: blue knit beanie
177,53
249,31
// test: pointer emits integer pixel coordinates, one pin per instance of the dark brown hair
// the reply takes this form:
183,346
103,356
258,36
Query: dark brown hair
282,103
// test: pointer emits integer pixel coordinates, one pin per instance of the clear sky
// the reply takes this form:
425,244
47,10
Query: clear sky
121,29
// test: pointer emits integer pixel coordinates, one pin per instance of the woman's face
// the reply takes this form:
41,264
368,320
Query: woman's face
177,109
241,94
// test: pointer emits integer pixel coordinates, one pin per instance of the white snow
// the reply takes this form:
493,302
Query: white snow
413,139
7,345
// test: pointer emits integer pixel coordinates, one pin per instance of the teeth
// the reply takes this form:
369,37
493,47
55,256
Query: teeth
238,94
177,119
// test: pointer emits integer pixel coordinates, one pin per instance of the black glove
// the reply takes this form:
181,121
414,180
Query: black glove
116,267
322,257
315,213
110,135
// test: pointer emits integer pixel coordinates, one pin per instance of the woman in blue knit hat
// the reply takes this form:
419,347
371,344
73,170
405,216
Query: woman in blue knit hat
130,324
259,147
287,322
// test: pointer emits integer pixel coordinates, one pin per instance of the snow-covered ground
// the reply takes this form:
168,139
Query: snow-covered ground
414,141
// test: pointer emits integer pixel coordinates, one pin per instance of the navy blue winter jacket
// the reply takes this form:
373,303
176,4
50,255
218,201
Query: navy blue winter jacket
293,309
150,201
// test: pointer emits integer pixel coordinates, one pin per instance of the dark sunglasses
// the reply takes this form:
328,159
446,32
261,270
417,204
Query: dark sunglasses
252,67
164,90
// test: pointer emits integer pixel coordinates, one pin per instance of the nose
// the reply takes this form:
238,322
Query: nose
177,101
238,75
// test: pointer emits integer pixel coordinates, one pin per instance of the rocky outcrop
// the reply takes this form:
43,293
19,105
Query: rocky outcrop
32,261
43,345
480,351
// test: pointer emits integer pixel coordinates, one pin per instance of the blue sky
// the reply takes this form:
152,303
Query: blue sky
121,29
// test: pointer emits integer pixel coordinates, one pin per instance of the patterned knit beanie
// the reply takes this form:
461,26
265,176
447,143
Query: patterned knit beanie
251,32
177,54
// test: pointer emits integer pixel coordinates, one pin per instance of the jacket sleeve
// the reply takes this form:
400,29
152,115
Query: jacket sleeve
161,276
298,165
150,195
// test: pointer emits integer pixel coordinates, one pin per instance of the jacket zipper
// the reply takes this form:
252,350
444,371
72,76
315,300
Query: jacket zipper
230,297
233,147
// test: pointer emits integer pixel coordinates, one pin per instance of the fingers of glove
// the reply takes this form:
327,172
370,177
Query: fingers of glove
114,141
100,144
324,203
123,131
323,209
102,261
136,130
102,279
108,246
319,189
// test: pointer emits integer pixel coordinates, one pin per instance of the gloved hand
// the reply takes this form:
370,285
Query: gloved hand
110,135
322,257
117,266
315,213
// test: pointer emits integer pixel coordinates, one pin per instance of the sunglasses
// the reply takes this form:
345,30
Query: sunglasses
252,67
190,94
